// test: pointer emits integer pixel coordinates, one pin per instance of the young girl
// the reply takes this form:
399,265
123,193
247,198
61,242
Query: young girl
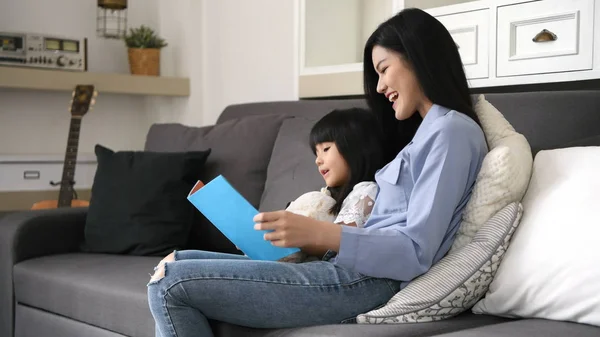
348,148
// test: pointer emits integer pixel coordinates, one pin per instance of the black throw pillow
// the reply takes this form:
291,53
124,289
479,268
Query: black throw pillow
139,201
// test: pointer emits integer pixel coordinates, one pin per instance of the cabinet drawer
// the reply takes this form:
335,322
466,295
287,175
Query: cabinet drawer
34,174
470,32
545,37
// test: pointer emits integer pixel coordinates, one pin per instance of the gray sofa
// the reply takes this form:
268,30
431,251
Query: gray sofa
49,288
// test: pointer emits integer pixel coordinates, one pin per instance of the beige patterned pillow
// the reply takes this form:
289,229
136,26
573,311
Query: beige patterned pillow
457,281
504,174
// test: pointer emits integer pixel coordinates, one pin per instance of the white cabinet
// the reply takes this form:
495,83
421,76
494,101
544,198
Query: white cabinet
501,42
470,33
333,32
545,36
35,172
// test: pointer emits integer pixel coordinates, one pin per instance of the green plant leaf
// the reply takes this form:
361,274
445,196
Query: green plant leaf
143,37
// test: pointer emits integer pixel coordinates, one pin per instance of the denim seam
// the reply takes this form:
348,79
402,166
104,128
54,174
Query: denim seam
164,304
392,290
329,286
168,314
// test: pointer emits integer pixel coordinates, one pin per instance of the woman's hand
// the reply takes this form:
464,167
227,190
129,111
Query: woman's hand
294,230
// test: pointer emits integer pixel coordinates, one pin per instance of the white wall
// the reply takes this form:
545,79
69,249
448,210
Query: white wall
234,51
426,4
374,12
249,53
336,30
34,122
332,32
181,26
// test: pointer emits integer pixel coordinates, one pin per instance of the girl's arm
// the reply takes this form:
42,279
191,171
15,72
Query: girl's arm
358,205
293,230
355,210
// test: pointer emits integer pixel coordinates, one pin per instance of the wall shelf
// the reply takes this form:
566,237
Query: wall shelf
114,83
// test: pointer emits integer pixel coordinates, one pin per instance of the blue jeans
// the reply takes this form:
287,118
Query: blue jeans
201,285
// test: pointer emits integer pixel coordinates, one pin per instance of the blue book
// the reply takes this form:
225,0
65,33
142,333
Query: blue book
233,215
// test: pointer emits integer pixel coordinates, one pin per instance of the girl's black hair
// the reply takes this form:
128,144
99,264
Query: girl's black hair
358,138
427,46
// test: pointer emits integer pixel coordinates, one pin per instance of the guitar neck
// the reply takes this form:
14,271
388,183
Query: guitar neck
65,196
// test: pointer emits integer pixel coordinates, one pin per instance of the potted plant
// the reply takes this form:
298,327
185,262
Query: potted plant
144,50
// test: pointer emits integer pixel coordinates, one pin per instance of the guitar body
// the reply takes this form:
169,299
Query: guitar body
83,99
49,204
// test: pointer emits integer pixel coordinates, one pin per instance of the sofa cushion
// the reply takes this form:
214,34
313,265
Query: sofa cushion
311,109
292,170
138,203
460,322
456,282
31,322
551,269
504,174
529,328
550,119
241,150
108,291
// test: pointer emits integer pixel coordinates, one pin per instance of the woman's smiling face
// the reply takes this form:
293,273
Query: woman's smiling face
399,84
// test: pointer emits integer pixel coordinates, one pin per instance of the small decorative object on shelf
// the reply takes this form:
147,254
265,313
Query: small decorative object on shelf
144,51
111,18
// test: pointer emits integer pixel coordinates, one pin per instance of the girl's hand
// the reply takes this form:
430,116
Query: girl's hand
289,229
294,230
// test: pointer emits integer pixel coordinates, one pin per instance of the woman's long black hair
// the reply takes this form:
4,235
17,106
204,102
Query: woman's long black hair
429,49
358,138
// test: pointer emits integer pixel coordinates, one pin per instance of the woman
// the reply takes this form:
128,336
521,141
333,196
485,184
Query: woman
415,82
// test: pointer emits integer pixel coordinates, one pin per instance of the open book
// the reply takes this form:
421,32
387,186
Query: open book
233,215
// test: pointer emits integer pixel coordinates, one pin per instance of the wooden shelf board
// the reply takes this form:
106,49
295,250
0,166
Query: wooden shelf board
58,80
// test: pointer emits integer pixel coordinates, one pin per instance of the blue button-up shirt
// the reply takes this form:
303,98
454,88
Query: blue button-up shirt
421,196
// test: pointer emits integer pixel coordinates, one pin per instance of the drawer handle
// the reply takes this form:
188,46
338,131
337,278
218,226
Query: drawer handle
544,36
31,175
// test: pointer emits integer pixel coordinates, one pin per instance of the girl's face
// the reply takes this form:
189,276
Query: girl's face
399,84
331,164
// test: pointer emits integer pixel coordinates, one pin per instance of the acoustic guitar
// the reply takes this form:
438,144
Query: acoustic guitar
84,97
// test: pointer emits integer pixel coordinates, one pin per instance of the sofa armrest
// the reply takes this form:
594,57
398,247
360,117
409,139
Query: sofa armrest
29,234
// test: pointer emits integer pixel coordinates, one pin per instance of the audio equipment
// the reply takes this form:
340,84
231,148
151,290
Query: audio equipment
43,51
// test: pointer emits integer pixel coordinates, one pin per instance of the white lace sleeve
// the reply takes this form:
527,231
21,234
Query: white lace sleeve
358,205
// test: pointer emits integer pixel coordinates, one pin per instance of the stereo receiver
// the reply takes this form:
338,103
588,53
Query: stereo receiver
43,51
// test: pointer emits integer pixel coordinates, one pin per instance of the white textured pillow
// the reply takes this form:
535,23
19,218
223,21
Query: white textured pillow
457,281
504,173
552,269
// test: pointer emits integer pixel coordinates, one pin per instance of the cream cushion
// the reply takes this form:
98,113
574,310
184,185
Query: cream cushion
504,174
